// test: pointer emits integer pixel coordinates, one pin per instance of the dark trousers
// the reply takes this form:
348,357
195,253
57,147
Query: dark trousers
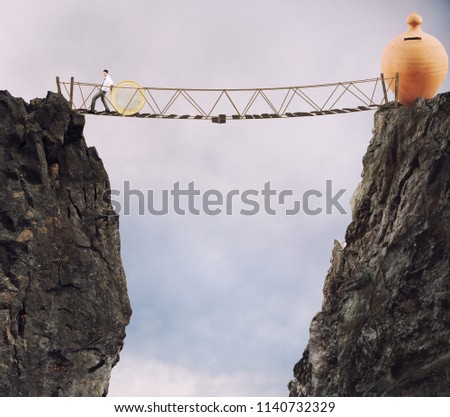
101,94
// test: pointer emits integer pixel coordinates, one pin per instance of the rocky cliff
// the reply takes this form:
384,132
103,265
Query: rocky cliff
384,328
63,297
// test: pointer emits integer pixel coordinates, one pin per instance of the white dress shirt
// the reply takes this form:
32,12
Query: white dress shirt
107,83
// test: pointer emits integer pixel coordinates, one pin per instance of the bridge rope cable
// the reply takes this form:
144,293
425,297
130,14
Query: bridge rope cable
221,104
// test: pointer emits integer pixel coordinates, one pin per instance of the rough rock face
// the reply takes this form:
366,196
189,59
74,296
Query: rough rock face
63,298
384,328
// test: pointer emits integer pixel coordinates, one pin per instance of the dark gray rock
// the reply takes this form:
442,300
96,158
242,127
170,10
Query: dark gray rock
63,297
384,328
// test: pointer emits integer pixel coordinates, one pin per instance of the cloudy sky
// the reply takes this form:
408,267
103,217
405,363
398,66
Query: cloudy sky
221,304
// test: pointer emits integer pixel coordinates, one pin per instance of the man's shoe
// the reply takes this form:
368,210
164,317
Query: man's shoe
91,111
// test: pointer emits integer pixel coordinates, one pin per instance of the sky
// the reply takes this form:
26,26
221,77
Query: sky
221,303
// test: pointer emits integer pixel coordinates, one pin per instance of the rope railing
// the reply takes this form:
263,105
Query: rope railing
219,105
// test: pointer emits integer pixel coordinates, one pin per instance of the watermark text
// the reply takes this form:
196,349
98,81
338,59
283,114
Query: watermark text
189,200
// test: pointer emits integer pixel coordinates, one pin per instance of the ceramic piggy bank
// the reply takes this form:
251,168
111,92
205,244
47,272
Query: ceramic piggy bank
420,60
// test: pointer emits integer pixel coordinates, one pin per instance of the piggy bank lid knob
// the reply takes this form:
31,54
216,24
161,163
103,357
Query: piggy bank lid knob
414,20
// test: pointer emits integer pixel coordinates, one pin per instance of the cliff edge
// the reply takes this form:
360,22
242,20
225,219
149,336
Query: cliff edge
384,328
63,297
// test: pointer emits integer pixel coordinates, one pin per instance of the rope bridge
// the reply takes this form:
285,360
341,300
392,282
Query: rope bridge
129,99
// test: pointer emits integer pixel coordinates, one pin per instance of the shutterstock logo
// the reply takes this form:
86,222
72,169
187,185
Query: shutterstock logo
189,200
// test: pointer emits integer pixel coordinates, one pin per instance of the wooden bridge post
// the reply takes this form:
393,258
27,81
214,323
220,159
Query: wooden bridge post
71,92
383,83
58,85
397,79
